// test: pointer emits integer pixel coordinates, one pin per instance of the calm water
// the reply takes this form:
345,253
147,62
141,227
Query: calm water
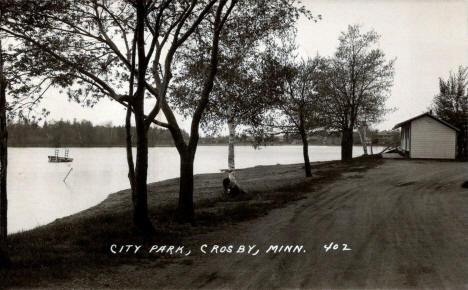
37,194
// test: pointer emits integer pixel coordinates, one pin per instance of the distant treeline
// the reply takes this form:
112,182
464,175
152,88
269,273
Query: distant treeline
77,134
85,134
378,138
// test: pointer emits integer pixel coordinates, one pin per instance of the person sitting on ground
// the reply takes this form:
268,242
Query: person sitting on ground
231,188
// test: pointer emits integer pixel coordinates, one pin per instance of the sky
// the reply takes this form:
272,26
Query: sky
428,39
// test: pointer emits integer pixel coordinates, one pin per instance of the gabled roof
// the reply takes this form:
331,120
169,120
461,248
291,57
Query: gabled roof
426,115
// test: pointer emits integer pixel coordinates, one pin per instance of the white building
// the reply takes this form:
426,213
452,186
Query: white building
426,136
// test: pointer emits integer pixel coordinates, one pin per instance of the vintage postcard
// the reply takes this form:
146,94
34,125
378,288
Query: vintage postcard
233,144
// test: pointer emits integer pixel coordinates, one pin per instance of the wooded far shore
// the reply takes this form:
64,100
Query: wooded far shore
85,134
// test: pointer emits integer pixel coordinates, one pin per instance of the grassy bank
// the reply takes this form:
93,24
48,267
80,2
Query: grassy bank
77,247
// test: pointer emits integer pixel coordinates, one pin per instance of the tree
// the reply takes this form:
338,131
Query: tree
75,41
357,85
205,54
451,105
4,260
235,99
362,131
297,104
87,44
24,94
93,47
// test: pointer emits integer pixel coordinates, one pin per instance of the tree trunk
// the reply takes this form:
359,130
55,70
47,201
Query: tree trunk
130,163
140,200
232,137
305,152
3,166
231,154
140,205
186,211
305,143
4,258
347,144
362,137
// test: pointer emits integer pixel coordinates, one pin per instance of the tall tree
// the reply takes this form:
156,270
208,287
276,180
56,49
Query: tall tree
87,42
235,98
24,94
4,260
451,105
77,44
206,53
297,104
357,86
87,45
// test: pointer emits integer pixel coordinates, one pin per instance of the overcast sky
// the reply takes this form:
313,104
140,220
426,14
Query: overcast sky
427,38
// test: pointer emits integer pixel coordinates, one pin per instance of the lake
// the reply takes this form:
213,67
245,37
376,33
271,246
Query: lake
37,194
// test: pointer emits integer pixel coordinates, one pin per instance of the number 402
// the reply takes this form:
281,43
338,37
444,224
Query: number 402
334,246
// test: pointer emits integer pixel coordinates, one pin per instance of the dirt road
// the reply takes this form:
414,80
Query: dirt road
406,223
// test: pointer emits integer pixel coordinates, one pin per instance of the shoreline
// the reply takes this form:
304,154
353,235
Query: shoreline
47,252
100,190
165,186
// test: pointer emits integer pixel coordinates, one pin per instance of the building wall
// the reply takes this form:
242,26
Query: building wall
431,139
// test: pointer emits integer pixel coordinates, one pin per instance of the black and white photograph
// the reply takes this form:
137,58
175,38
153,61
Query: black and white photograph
233,144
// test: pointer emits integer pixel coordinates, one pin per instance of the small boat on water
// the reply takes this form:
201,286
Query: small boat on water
55,158
59,159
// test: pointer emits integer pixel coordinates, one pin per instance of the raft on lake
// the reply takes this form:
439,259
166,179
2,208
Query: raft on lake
56,158
59,159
